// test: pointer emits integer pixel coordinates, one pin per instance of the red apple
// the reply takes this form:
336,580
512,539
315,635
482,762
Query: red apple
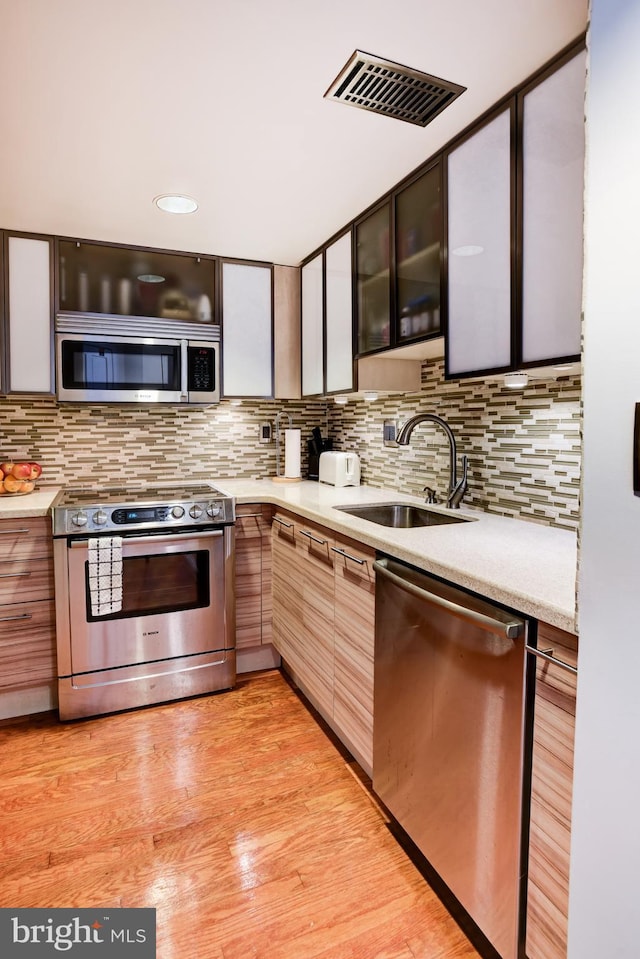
36,471
12,485
6,467
21,471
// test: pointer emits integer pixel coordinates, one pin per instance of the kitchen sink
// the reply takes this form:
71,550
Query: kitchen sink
400,515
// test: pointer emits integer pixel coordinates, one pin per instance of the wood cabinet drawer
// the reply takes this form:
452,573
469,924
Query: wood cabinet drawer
27,644
26,582
27,538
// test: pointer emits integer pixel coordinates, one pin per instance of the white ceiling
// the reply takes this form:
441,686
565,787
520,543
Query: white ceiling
104,105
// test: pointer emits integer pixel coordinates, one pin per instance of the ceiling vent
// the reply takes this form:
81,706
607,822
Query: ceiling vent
381,86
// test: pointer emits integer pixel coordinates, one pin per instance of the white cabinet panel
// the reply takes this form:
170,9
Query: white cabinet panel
247,330
29,318
312,332
553,187
339,315
479,250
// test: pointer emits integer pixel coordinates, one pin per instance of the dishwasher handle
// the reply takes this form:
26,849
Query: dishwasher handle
511,626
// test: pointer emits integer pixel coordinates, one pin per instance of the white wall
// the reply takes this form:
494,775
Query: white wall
605,867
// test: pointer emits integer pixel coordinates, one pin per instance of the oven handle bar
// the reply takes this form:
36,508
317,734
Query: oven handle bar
206,534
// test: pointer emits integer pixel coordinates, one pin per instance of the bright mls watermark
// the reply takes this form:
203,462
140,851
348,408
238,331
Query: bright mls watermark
79,933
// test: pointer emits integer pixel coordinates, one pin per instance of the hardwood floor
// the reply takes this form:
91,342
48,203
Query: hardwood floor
235,815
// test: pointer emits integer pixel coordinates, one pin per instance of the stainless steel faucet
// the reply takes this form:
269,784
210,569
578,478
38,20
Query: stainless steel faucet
457,489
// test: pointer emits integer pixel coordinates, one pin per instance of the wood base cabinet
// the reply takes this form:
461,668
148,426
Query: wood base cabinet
354,634
27,620
303,606
551,791
253,587
323,625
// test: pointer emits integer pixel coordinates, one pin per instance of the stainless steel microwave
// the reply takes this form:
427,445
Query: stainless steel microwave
92,368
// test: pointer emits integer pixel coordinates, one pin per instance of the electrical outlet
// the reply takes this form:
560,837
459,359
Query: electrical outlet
389,433
265,432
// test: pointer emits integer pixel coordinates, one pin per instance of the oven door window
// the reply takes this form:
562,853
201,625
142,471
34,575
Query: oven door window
120,366
159,583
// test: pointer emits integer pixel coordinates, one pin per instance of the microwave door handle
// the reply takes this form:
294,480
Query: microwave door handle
184,370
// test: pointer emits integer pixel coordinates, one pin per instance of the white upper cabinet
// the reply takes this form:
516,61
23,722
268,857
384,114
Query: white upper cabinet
247,330
312,328
479,178
29,314
339,316
553,148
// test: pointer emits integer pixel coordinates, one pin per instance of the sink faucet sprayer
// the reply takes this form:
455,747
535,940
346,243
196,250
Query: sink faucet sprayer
457,489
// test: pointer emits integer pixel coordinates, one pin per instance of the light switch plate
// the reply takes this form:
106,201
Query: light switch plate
265,432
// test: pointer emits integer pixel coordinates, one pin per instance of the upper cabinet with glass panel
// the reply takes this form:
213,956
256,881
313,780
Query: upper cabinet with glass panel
398,265
418,234
99,279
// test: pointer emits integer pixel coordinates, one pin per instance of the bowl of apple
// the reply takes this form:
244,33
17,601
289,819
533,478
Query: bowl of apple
18,478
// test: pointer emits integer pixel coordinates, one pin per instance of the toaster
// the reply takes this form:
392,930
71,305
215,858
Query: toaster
339,469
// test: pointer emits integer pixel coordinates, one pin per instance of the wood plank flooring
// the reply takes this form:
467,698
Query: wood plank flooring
237,816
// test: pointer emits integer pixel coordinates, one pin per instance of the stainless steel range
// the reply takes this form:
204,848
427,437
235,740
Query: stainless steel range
145,608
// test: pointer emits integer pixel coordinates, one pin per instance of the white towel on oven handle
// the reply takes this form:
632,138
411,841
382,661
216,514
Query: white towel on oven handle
105,574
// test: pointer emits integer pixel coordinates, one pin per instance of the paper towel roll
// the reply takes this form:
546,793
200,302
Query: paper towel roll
292,454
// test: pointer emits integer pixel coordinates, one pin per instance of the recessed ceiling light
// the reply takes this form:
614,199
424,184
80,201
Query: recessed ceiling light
469,250
175,203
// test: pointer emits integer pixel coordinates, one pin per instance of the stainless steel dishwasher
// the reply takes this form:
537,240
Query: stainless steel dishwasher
449,732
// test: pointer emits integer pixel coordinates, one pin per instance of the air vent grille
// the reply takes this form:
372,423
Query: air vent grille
371,83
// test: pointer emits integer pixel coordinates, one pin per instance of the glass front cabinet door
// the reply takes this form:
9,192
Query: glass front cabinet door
551,115
339,376
398,266
418,232
96,278
373,255
480,177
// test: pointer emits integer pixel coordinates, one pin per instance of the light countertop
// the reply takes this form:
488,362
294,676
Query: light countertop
37,503
528,566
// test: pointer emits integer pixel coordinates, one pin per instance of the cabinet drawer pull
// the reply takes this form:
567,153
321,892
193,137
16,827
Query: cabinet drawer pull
8,619
320,542
12,532
276,519
13,575
354,559
547,655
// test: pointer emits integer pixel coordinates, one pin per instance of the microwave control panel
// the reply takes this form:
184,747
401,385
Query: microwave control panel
201,378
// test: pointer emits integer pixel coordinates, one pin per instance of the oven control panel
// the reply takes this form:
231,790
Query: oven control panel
143,516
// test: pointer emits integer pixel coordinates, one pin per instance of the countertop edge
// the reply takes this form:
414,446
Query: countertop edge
37,503
364,532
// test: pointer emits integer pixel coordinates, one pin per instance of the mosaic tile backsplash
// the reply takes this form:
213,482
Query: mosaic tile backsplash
523,447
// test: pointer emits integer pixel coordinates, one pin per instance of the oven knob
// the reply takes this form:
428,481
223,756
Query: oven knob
79,519
100,518
177,512
213,510
195,512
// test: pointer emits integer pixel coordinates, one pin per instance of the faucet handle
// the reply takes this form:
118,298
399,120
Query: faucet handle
431,494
